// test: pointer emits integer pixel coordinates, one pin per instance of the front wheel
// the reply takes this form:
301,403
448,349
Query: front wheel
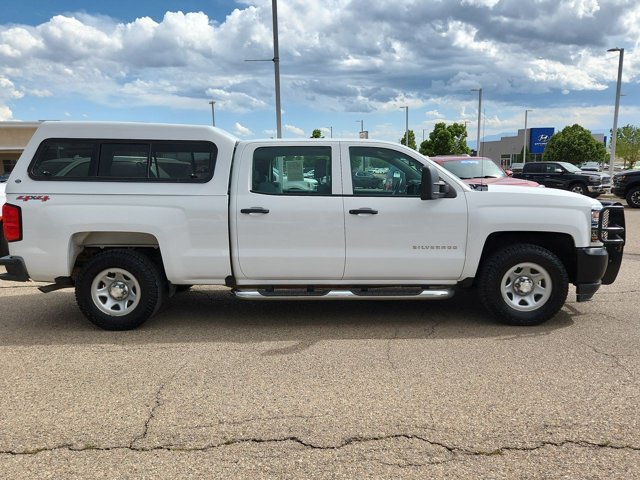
120,289
633,197
523,284
580,188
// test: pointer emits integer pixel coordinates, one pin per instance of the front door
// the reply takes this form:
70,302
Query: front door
391,234
289,224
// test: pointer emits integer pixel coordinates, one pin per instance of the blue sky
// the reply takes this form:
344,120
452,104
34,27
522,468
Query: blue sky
342,62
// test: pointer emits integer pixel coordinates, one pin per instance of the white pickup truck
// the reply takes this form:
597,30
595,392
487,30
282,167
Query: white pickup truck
128,214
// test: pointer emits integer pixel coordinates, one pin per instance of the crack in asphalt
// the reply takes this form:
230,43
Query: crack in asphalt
454,450
618,363
158,402
432,330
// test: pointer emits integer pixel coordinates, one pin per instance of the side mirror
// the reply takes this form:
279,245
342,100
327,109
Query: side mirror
432,187
509,173
558,170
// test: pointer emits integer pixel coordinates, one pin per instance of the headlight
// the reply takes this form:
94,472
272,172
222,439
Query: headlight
594,179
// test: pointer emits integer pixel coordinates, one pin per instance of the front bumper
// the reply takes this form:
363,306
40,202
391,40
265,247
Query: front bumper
600,189
591,265
618,191
16,269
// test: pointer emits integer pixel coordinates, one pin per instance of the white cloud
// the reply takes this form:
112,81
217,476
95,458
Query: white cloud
298,132
5,113
241,130
582,8
8,89
434,113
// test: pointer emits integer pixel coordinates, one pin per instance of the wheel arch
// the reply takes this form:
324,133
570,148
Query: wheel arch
561,245
84,245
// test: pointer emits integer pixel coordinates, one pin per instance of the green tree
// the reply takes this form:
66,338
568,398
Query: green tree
628,145
459,134
575,145
412,140
317,133
446,140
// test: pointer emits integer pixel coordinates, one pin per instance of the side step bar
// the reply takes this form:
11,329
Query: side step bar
428,294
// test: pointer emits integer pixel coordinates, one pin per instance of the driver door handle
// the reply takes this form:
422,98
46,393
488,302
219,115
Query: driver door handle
366,211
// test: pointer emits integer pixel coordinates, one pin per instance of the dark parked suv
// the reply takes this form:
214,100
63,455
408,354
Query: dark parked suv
566,176
627,185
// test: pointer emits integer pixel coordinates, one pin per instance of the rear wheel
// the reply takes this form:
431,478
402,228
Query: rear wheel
523,284
633,197
120,289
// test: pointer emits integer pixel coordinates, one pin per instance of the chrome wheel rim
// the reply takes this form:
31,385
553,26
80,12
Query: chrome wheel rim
115,292
526,287
635,197
578,189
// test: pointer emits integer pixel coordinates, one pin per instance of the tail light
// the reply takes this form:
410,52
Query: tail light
12,222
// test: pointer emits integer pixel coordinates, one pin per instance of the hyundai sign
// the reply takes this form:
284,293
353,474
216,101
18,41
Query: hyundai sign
539,139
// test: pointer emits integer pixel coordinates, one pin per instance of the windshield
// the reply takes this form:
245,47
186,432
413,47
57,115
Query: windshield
570,167
473,168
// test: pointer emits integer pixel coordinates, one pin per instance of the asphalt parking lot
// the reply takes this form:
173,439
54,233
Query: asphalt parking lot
214,387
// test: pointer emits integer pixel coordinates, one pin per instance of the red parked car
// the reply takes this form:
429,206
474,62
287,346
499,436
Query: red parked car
479,170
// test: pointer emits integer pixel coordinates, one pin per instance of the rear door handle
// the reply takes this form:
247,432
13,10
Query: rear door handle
366,211
254,210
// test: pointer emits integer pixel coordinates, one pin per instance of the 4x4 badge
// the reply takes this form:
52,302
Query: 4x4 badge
26,198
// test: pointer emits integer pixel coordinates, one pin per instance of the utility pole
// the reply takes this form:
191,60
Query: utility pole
276,67
614,133
213,112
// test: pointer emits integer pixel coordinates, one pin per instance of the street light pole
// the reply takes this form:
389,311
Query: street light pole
614,133
524,143
213,112
276,67
406,126
479,90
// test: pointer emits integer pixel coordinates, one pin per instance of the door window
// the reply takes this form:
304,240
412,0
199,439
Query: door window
292,170
384,172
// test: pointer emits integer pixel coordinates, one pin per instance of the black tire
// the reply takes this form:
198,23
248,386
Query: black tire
130,275
580,188
506,276
633,197
4,246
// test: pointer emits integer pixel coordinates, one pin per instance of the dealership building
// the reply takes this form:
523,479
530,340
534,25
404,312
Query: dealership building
508,150
14,136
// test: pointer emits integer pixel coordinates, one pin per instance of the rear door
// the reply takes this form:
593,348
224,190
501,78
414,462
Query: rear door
288,211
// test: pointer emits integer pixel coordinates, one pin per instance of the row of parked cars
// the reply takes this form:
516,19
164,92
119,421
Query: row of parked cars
587,180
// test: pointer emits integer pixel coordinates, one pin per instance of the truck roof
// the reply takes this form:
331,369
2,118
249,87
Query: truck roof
147,131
